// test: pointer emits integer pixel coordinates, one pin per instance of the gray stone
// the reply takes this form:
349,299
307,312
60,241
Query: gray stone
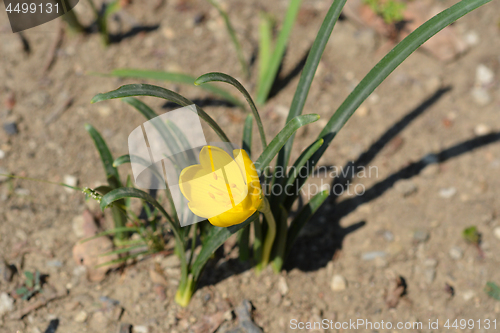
421,236
406,187
430,274
372,255
456,253
388,236
10,128
447,193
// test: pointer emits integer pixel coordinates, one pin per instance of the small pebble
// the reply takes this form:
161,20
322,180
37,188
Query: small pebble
81,317
496,232
140,329
22,192
430,262
2,154
456,253
338,283
406,187
10,128
447,193
481,96
468,295
71,181
482,129
372,255
430,275
282,286
471,38
388,236
362,111
421,236
54,263
484,75
6,303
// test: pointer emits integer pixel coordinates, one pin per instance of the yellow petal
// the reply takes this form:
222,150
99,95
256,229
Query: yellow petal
230,218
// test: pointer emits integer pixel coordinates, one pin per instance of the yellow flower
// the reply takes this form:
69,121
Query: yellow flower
224,190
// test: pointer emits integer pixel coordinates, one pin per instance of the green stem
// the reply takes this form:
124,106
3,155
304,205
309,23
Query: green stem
280,247
185,292
271,234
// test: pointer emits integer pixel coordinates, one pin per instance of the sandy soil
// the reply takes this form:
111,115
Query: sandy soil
433,145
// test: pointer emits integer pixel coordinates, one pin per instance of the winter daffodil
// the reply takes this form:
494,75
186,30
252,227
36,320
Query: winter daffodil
224,190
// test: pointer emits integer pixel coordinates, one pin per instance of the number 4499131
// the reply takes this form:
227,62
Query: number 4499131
33,8
471,324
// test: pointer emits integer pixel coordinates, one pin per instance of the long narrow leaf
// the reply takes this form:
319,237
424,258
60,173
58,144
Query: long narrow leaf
176,78
392,60
307,75
279,140
247,135
106,157
221,77
155,91
277,56
215,239
265,47
301,219
295,169
383,68
234,38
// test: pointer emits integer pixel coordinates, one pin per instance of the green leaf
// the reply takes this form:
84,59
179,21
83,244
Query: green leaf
106,157
277,56
247,135
124,159
176,78
155,91
265,41
386,66
30,279
307,75
234,39
22,291
295,170
217,236
393,59
221,77
130,192
162,128
471,235
279,140
493,290
303,217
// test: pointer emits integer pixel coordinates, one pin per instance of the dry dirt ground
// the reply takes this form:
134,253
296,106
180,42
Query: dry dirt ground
434,146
